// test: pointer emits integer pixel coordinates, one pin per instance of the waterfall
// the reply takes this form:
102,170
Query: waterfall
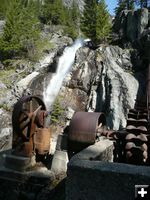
64,66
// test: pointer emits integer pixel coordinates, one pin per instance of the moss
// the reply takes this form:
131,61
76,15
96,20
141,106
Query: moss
58,112
5,107
5,76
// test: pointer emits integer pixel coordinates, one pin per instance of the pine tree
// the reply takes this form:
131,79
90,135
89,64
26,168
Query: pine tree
88,21
21,29
124,4
4,4
95,22
103,26
58,12
72,21
53,12
75,13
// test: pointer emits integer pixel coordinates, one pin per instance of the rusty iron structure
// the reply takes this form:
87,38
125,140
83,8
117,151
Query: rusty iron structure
132,144
30,135
84,129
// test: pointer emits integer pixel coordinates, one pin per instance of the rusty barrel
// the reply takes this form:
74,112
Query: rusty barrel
83,128
42,140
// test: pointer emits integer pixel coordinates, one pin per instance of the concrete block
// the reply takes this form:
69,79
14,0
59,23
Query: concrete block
98,180
18,163
62,142
102,151
59,162
91,176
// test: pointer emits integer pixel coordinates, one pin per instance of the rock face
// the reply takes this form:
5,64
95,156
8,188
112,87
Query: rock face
101,81
80,3
131,24
117,89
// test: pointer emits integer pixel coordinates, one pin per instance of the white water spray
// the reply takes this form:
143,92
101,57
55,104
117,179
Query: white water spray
64,66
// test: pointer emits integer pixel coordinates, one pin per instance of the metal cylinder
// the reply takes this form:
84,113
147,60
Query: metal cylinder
83,127
42,140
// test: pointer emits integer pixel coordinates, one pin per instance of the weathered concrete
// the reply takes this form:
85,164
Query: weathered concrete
59,162
102,150
15,185
99,180
19,163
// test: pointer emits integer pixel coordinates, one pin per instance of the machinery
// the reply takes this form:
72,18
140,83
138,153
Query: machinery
30,136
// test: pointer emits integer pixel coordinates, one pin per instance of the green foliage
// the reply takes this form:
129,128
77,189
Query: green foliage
4,4
58,112
95,22
21,29
103,25
88,21
5,107
54,12
124,4
71,23
5,76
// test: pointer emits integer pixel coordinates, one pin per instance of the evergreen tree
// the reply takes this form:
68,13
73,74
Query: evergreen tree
72,21
103,26
4,4
53,12
88,21
21,29
124,4
95,22
58,12
75,13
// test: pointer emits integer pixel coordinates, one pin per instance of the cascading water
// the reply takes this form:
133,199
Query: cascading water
64,66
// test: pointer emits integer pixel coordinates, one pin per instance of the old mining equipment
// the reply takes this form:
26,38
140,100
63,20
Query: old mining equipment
133,144
30,136
85,128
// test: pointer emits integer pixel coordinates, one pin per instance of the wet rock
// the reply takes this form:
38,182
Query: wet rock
105,76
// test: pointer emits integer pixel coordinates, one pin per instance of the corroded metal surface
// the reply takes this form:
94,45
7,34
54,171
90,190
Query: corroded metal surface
22,110
42,140
28,119
83,127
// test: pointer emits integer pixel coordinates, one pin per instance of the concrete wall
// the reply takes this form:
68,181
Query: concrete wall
90,179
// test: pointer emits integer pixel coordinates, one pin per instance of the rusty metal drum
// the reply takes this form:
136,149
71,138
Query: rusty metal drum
83,127
42,140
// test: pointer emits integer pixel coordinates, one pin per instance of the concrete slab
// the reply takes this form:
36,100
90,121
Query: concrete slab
102,150
91,177
59,162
